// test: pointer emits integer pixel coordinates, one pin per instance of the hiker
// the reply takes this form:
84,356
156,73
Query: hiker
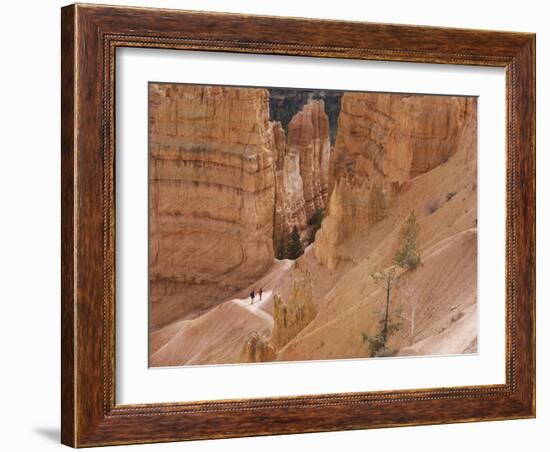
261,292
252,295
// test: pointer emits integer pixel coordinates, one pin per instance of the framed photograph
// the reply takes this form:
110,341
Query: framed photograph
280,225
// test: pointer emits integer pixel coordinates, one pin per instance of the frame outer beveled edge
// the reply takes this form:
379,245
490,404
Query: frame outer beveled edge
68,210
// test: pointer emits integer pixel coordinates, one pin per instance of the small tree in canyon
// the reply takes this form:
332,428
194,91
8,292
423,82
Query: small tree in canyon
411,303
408,256
387,326
295,248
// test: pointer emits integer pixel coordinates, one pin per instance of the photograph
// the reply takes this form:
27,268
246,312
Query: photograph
297,224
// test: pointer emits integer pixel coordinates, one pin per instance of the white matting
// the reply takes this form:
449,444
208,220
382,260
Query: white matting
138,384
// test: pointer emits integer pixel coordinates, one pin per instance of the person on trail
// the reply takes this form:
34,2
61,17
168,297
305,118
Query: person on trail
252,295
261,292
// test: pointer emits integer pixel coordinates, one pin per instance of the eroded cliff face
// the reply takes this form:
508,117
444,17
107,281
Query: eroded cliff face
383,141
211,194
396,136
308,135
353,207
226,183
302,170
289,189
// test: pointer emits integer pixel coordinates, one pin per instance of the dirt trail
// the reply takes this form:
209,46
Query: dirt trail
256,307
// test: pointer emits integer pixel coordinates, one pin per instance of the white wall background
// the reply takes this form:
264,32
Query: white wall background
29,225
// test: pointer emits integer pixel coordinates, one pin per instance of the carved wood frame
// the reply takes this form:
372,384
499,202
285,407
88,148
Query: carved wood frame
90,36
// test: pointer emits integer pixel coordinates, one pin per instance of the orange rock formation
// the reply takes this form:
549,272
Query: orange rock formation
293,315
393,154
302,170
257,349
211,195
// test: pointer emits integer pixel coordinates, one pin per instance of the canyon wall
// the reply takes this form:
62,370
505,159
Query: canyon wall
211,194
383,141
354,206
302,170
289,191
308,134
226,184
396,136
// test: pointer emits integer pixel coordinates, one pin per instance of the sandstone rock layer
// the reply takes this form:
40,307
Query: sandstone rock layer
211,194
383,141
225,185
396,136
302,172
308,135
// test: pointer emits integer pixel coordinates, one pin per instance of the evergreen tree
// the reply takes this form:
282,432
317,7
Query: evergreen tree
408,256
377,343
294,249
